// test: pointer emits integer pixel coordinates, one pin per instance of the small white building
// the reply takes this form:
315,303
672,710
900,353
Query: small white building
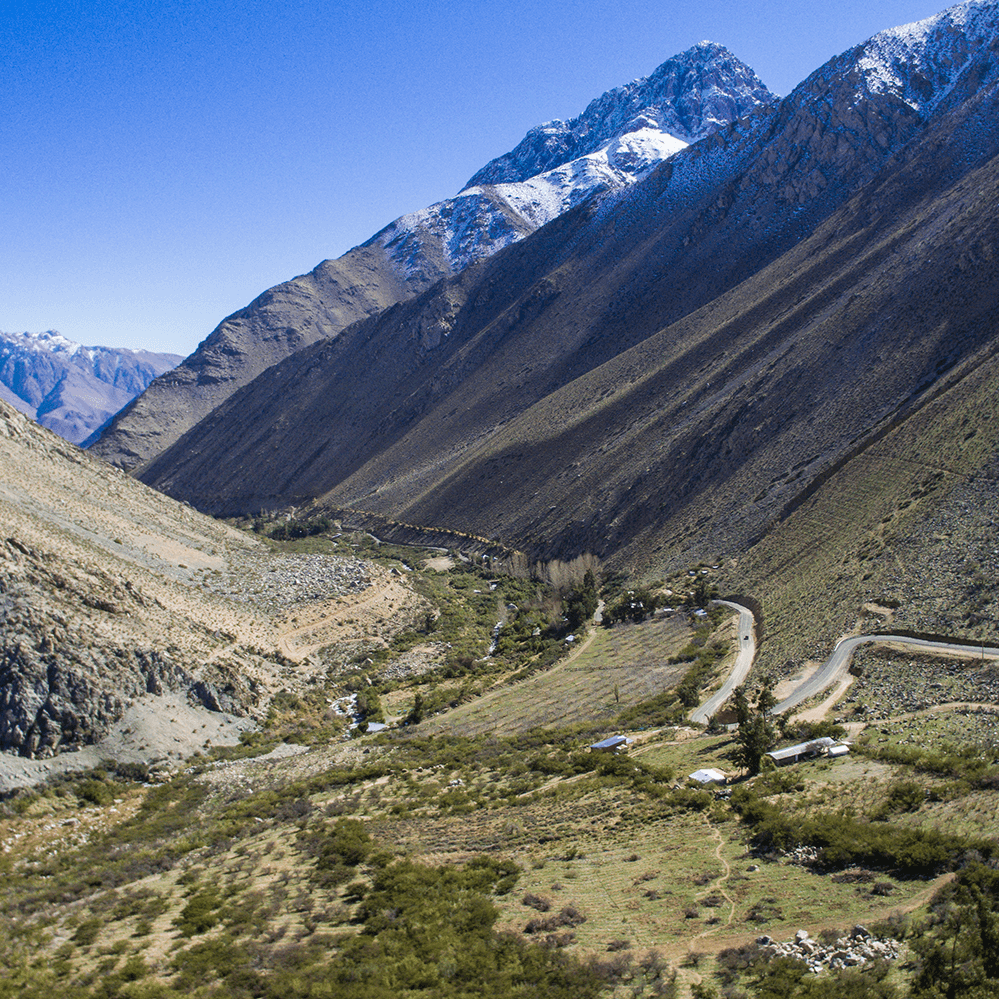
707,776
823,746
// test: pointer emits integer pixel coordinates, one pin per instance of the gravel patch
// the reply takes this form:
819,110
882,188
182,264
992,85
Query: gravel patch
273,581
894,683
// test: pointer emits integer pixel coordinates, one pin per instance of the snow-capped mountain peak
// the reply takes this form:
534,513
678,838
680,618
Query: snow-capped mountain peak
70,388
617,140
920,62
689,96
51,341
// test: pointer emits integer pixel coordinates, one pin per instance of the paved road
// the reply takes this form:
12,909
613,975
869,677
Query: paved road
827,674
743,663
839,662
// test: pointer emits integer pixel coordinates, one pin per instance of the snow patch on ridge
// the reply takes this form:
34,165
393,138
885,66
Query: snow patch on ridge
619,162
920,62
50,342
483,219
618,140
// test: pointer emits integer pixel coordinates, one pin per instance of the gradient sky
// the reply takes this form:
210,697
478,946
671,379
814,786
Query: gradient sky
165,162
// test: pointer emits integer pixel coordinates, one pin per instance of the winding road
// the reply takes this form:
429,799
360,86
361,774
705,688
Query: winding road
832,670
740,670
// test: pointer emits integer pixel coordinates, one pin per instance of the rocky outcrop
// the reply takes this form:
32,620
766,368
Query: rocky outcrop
112,595
63,680
851,951
689,96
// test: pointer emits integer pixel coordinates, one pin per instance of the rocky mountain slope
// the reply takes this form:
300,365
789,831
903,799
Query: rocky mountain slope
616,141
688,97
666,370
71,389
113,595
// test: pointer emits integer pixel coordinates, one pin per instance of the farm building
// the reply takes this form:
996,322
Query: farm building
611,744
824,746
708,776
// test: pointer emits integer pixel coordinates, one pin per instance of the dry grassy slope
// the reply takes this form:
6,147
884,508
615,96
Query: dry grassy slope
279,322
106,594
903,535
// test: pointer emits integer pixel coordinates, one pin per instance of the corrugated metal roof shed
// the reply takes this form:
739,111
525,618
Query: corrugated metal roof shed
811,748
611,742
708,776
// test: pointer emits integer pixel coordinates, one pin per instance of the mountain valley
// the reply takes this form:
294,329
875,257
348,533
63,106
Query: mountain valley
618,383
367,738
669,400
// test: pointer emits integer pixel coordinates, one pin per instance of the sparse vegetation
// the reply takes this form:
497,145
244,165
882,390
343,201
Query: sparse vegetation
480,829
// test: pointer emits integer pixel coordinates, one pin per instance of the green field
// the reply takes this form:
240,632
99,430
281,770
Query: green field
617,668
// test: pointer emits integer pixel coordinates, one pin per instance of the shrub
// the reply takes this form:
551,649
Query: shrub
199,915
536,902
346,847
844,840
568,916
87,932
97,792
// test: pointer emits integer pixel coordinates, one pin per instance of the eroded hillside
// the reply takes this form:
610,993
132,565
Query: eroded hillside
112,593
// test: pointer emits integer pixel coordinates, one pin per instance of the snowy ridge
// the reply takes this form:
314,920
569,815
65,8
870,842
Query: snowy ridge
921,62
51,341
822,130
688,97
69,388
619,162
618,140
463,229
482,220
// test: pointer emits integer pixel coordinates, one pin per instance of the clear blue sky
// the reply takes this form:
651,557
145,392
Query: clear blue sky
166,161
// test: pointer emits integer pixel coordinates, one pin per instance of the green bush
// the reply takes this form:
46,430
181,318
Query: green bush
903,796
87,932
200,914
97,792
843,840
340,852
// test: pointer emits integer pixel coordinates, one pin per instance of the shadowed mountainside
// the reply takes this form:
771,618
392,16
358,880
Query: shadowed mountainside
616,141
663,371
279,322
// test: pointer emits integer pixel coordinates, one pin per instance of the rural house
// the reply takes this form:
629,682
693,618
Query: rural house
824,746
